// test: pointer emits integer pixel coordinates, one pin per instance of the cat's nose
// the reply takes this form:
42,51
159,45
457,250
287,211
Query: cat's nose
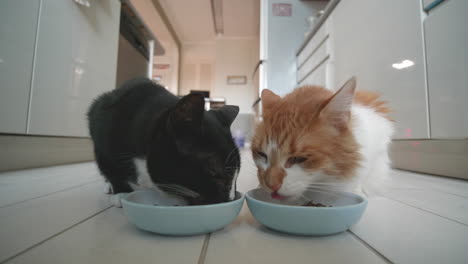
274,186
274,178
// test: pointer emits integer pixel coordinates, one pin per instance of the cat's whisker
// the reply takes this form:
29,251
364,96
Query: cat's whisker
296,186
328,184
233,168
175,186
304,195
313,186
178,188
322,188
229,156
177,192
248,168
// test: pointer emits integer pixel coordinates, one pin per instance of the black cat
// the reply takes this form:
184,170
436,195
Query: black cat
188,151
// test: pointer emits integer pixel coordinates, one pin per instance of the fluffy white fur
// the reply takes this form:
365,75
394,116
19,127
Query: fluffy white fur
144,182
232,192
373,133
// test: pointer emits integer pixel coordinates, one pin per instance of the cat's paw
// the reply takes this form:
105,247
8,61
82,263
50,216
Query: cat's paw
116,199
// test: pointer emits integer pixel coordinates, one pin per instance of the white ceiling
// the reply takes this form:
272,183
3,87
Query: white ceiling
193,19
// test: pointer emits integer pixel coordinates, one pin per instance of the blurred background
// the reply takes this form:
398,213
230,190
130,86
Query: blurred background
57,56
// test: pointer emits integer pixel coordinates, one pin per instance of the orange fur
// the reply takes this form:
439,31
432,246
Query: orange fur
371,99
296,125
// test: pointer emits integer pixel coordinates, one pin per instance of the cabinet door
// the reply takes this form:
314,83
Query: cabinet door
76,61
446,34
317,77
380,42
18,23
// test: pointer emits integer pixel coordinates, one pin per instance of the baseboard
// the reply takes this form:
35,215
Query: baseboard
445,157
25,152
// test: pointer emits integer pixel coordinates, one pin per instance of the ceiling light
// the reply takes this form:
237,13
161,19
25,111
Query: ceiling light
217,10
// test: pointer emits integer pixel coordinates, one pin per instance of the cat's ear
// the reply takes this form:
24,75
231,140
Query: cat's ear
227,114
188,112
269,99
337,109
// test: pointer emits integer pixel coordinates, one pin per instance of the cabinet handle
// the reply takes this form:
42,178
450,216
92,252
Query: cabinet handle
83,2
260,62
432,5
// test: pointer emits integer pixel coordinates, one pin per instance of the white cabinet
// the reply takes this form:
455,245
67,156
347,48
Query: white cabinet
76,61
317,76
313,61
380,42
18,22
446,35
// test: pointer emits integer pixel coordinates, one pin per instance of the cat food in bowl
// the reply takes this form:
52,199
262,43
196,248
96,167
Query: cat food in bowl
319,213
147,211
312,204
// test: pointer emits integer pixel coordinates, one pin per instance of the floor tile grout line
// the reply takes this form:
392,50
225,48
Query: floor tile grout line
427,211
45,195
204,250
382,256
53,236
36,170
428,189
440,180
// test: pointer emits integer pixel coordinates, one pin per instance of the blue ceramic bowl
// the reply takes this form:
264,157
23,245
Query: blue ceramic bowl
140,208
346,210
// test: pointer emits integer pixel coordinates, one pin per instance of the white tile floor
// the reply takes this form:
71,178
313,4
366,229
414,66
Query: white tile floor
61,215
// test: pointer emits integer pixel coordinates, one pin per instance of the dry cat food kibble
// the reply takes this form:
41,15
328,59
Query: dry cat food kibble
312,204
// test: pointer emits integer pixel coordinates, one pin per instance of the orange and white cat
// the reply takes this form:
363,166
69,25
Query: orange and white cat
313,138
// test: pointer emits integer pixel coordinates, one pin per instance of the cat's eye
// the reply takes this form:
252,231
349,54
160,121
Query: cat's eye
295,160
262,154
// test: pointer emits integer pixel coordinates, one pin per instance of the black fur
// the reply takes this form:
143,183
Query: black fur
183,144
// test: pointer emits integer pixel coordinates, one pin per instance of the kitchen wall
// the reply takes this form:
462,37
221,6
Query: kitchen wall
197,67
236,57
207,65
